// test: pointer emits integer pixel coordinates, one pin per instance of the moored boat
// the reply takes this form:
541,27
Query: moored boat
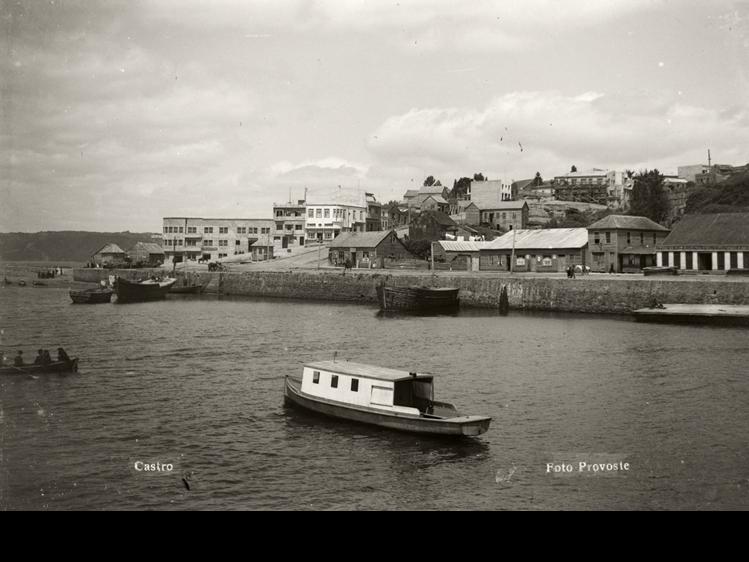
69,366
149,290
98,295
715,314
188,288
378,396
417,299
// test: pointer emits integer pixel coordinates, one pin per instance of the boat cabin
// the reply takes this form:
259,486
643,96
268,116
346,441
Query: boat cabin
372,387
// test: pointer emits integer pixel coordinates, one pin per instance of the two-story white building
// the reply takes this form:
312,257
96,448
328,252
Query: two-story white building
194,238
326,221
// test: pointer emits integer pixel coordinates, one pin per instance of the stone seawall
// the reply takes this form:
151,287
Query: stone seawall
618,295
88,275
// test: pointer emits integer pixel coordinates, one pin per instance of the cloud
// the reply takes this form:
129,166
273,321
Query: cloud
521,132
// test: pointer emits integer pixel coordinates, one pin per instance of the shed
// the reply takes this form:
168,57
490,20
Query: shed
367,249
146,253
109,254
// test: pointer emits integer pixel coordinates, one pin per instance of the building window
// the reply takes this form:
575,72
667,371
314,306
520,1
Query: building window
629,238
279,226
192,229
207,242
642,238
311,213
334,381
276,238
279,213
316,377
596,237
223,230
608,238
354,385
208,230
223,242
319,213
327,213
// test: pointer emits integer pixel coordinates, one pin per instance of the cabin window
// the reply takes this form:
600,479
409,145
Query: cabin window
334,381
354,385
316,377
608,238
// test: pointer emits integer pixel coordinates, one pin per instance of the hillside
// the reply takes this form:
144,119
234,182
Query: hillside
63,246
731,196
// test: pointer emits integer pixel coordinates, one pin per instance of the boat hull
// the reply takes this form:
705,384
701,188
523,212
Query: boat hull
455,427
91,296
129,291
710,314
417,299
70,366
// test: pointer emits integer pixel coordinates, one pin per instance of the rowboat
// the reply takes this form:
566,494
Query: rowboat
379,396
92,296
70,366
149,290
417,298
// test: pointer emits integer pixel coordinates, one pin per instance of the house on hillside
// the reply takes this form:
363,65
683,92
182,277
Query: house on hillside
432,225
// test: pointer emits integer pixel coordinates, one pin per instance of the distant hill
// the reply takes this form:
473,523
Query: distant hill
63,246
730,196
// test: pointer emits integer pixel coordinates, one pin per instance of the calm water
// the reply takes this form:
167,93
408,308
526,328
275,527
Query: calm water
198,383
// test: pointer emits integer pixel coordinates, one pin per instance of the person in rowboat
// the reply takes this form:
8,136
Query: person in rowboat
18,361
39,360
61,355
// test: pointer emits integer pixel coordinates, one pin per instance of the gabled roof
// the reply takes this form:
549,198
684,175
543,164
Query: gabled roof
438,198
360,239
625,222
439,217
411,193
110,249
432,189
149,247
549,238
709,231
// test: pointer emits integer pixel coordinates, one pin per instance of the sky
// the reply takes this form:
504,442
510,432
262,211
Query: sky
115,114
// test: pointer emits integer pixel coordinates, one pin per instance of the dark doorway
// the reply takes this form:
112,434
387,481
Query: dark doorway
301,240
285,242
705,261
734,260
721,261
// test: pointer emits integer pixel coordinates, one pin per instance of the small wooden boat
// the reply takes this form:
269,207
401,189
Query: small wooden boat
378,396
98,295
417,299
70,366
149,290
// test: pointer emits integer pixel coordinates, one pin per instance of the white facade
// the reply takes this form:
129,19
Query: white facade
369,393
490,192
195,238
290,223
326,222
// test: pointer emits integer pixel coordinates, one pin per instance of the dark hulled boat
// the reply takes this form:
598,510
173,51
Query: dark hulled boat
188,288
98,295
417,299
69,366
134,291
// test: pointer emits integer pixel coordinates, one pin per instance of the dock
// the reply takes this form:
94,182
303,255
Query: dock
718,314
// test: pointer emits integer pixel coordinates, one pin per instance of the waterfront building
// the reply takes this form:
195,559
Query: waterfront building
290,223
717,242
624,244
602,187
456,255
146,253
325,221
109,254
367,249
543,251
505,215
205,239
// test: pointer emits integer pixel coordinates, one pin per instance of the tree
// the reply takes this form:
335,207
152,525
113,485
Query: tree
730,196
429,181
649,198
479,177
573,169
460,188
538,180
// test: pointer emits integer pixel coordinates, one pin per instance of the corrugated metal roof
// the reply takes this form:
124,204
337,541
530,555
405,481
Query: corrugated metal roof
625,222
365,371
550,238
360,239
149,247
461,246
709,232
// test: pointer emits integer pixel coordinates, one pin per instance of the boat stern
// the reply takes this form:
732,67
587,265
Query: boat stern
472,426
